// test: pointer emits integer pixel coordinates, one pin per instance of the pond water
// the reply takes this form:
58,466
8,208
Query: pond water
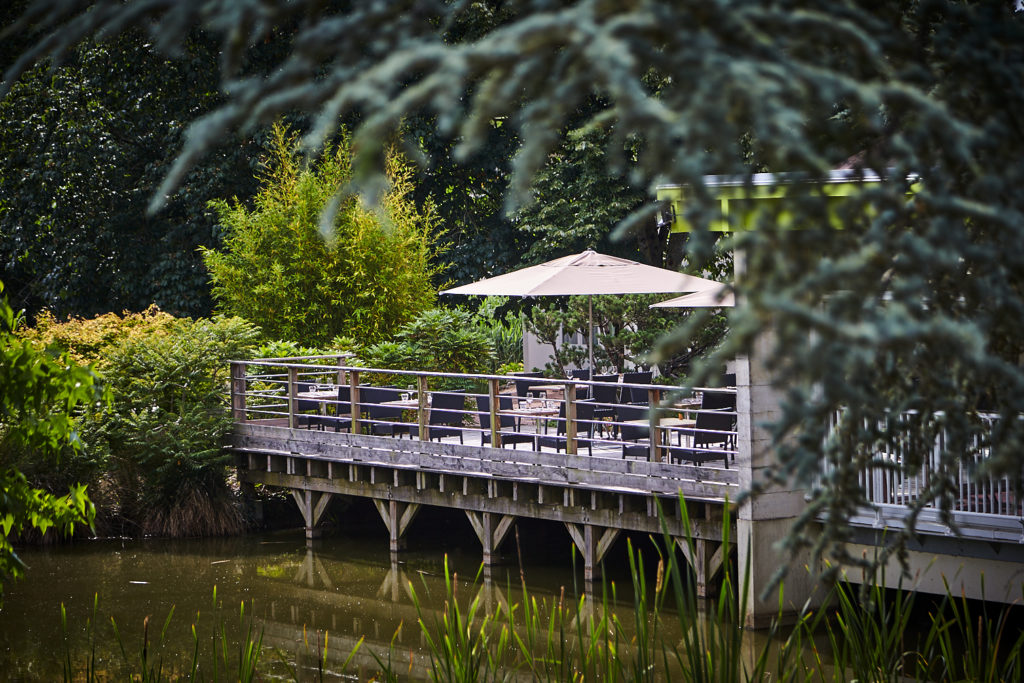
347,587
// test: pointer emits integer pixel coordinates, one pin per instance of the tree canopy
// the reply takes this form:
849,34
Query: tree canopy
915,305
82,148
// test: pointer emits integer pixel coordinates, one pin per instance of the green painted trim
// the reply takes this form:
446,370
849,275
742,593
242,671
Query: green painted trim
742,200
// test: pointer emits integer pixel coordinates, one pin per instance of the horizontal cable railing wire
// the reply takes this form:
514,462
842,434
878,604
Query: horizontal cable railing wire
291,391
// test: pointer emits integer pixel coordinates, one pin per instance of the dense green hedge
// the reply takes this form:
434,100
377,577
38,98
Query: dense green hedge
152,458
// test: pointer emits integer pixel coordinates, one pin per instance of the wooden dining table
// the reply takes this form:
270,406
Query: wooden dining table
665,426
539,413
323,394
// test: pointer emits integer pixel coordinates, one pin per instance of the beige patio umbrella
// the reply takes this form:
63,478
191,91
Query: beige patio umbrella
586,274
721,297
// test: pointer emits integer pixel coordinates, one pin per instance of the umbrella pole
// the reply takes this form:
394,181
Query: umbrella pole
590,336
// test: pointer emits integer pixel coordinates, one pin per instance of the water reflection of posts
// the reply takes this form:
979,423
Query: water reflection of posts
394,583
312,569
586,608
491,595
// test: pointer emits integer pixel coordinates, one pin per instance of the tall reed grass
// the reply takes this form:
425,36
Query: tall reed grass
873,635
217,654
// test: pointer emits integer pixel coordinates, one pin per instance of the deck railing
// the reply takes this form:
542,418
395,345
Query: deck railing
987,506
303,392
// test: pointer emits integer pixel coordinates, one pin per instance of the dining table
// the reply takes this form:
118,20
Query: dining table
538,411
405,403
666,425
323,394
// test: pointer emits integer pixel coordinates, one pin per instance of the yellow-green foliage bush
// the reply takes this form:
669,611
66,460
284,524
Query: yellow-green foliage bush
153,457
87,340
365,279
39,393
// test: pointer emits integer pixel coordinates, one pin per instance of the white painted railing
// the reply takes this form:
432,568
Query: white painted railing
983,506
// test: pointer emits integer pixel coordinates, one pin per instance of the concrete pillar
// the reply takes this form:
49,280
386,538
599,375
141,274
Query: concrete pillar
763,521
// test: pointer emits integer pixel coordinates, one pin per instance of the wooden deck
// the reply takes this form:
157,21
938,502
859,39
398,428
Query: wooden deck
596,497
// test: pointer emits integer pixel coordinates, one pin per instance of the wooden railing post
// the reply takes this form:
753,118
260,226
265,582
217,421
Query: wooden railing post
353,394
293,399
570,418
238,369
654,415
492,392
424,406
341,373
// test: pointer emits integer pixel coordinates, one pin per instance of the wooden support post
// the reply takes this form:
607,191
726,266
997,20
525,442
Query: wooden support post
312,505
706,564
341,372
293,399
490,531
397,517
422,395
654,415
238,369
570,418
353,391
591,547
492,393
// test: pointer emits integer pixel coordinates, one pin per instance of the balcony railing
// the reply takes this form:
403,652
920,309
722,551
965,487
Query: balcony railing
599,419
988,507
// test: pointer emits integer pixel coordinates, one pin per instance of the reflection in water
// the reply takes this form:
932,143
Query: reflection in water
347,588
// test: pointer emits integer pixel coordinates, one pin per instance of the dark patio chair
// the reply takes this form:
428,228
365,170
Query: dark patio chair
305,408
712,399
382,420
636,395
714,431
713,438
447,412
506,423
583,391
342,417
524,380
584,425
606,396
633,432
